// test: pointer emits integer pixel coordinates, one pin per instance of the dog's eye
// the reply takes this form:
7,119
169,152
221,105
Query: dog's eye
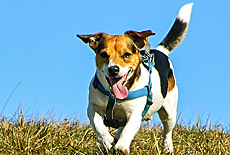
126,55
104,55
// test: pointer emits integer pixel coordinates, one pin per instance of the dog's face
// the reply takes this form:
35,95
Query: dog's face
118,57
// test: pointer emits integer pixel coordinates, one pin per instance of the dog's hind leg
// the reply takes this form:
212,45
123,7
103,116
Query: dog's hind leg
167,114
168,125
101,131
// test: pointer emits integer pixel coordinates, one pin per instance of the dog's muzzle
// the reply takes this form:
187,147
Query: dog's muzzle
117,82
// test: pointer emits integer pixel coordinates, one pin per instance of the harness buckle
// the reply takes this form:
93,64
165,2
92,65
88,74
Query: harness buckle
146,55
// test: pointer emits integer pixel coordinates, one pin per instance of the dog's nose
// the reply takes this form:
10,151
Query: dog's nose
113,70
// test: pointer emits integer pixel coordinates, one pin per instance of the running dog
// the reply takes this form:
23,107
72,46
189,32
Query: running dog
122,71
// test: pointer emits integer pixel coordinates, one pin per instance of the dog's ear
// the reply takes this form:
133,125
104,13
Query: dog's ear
92,39
139,38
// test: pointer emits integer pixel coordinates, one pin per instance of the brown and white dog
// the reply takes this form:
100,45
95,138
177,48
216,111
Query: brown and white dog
120,70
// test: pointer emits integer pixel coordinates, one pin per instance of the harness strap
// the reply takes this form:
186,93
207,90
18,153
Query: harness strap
97,85
132,94
108,117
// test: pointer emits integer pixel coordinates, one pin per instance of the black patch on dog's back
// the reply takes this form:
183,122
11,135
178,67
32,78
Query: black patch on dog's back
163,67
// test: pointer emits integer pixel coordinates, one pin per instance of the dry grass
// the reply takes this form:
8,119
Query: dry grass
47,136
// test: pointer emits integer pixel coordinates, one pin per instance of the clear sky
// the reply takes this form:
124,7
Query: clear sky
40,52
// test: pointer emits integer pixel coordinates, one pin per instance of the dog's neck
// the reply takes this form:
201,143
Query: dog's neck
138,80
134,78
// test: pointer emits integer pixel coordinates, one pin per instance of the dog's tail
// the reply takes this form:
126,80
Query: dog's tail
178,30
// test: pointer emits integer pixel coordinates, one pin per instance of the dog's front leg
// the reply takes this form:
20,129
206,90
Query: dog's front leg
128,132
102,134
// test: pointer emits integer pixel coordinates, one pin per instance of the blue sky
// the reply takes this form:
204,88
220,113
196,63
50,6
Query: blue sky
40,50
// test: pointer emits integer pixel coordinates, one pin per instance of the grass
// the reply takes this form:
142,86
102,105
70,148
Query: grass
20,135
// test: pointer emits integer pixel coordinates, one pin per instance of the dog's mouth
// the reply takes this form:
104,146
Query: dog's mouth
118,87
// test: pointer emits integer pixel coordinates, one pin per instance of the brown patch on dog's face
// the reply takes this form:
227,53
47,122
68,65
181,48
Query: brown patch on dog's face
118,49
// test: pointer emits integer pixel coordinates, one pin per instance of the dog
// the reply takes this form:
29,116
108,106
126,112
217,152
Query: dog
121,71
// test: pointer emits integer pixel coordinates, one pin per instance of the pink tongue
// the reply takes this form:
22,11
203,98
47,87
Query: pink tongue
119,91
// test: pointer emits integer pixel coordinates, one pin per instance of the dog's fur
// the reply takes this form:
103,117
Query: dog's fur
118,59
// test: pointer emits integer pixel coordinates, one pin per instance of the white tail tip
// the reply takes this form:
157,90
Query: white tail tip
185,13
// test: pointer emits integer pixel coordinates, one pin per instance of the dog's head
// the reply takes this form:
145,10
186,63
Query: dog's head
118,57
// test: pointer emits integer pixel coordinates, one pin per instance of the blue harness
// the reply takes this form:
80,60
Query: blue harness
146,91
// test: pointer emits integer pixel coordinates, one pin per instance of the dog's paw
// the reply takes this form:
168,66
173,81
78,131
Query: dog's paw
106,142
168,146
118,149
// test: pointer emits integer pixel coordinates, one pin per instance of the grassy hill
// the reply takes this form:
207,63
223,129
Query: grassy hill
19,135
